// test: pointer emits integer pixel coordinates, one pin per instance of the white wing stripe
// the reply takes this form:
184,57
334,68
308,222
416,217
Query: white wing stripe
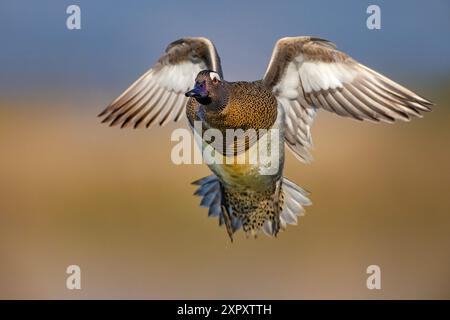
318,76
158,94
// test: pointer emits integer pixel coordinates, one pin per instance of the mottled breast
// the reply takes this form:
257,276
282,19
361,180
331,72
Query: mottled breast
250,106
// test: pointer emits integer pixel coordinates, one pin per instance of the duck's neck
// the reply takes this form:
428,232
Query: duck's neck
214,113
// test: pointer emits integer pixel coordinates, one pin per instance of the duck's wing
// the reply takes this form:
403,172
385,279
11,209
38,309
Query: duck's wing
158,95
307,73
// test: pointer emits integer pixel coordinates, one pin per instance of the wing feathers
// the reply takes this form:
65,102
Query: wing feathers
158,95
313,73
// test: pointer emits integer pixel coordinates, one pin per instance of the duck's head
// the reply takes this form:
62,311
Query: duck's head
209,90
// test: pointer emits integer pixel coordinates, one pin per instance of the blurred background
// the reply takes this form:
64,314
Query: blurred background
73,191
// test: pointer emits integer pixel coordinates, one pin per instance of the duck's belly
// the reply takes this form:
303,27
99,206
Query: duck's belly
258,167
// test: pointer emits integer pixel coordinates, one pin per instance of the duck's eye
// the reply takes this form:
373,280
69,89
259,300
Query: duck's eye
215,78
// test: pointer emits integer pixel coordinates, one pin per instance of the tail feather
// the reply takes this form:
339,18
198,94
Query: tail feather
205,180
292,201
212,198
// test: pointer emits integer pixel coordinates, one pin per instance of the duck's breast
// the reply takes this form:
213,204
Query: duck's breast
261,164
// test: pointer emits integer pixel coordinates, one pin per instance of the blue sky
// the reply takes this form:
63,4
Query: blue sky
120,39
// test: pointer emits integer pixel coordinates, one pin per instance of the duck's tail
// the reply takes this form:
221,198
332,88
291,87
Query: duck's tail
293,199
253,210
211,191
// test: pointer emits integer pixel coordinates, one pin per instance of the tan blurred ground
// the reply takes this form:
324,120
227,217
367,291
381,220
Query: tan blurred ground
77,192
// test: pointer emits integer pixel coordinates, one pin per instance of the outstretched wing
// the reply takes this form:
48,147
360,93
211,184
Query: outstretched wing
158,95
307,73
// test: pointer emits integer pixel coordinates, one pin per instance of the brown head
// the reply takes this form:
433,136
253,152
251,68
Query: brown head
210,90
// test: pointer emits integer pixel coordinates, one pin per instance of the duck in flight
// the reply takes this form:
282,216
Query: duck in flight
304,74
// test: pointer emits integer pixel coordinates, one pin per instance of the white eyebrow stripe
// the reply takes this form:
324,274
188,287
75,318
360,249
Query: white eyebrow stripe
214,75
